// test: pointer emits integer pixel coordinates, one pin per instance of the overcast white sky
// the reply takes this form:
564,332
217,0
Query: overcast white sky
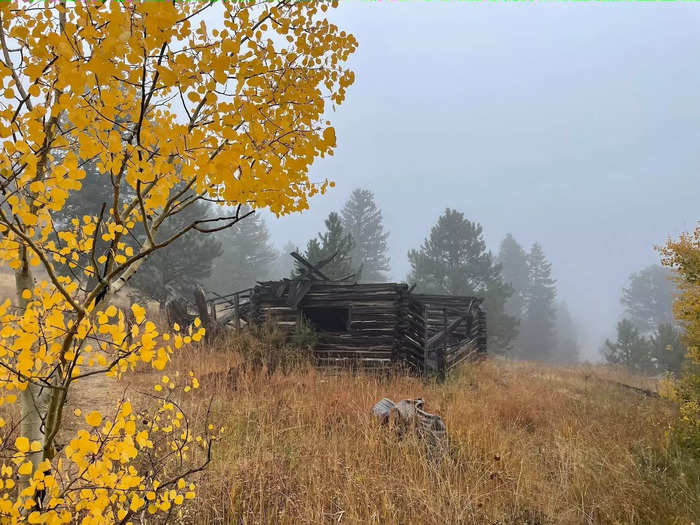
573,124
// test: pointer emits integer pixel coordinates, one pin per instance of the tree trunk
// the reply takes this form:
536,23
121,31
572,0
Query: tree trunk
34,399
119,283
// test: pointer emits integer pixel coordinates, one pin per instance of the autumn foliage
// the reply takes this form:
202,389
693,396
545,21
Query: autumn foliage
684,255
173,113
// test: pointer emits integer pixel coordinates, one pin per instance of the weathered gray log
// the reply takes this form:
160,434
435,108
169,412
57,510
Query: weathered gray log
310,268
176,310
409,414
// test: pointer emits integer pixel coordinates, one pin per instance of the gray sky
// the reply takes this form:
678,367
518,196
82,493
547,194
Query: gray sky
573,124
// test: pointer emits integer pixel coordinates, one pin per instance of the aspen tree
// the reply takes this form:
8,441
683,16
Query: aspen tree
173,113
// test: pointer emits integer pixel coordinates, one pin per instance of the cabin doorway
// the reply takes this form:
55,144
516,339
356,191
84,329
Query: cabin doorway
328,319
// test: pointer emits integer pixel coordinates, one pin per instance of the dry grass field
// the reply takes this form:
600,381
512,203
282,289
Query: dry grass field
528,444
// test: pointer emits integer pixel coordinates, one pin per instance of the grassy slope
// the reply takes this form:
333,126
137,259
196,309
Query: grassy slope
528,444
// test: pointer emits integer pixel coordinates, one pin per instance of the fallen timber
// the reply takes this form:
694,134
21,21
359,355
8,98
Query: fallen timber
409,415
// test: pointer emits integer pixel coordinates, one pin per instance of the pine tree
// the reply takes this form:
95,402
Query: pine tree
178,269
667,348
648,299
630,349
247,256
537,337
333,242
454,260
363,221
567,349
513,260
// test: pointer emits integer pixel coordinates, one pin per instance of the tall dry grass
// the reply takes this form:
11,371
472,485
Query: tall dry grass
528,443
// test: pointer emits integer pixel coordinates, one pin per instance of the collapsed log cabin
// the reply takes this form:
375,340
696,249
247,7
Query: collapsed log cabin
369,324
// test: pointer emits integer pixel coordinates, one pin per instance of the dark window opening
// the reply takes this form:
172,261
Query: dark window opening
335,319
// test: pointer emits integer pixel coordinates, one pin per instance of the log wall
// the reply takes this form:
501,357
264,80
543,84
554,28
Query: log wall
387,324
439,312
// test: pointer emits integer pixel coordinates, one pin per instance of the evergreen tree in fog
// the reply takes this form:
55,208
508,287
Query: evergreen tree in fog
667,348
630,349
648,298
183,265
453,260
537,335
335,240
567,348
513,261
247,256
363,221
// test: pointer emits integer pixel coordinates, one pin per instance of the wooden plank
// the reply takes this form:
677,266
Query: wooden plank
298,292
440,335
349,353
312,270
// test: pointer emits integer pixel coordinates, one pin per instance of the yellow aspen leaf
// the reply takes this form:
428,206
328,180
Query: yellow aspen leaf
139,313
126,409
142,439
329,136
136,502
22,444
93,419
25,468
